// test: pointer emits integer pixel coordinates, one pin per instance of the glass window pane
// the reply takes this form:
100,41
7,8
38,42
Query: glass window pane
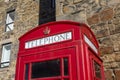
11,14
5,64
10,17
26,71
65,66
10,27
46,69
97,70
6,50
10,21
53,3
47,11
6,53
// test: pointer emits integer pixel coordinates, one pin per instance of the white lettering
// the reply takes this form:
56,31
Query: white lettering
26,45
49,40
68,35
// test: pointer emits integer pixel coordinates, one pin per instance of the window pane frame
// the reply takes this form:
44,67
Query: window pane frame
47,12
46,62
66,66
7,28
60,60
5,61
95,70
27,68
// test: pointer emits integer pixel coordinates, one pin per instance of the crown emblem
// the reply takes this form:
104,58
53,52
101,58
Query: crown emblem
46,31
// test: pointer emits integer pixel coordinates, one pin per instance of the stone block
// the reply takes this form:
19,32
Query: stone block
103,3
117,72
105,42
108,58
111,65
70,1
116,46
115,38
67,9
106,14
97,1
115,27
93,20
102,33
116,42
106,50
116,21
117,10
59,8
111,28
102,30
76,1
113,2
114,65
117,57
108,75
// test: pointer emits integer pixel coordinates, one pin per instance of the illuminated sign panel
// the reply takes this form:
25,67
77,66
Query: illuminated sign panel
49,40
87,40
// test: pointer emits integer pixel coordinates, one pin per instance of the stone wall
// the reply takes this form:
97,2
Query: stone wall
107,31
103,17
26,18
106,27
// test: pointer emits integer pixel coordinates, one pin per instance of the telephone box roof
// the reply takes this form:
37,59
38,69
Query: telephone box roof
57,22
75,24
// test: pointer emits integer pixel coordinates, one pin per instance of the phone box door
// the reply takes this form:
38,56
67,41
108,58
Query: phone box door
96,67
53,65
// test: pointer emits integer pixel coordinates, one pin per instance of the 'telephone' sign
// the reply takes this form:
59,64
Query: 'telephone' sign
49,40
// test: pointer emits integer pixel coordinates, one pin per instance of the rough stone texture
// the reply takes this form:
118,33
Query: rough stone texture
109,75
94,19
103,17
106,14
117,72
117,57
26,18
107,31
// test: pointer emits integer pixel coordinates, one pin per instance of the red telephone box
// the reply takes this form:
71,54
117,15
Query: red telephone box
61,50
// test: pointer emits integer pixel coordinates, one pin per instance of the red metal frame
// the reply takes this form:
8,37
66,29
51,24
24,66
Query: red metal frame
81,51
68,53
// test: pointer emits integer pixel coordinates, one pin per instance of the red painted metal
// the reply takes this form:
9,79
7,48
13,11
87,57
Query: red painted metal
78,50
